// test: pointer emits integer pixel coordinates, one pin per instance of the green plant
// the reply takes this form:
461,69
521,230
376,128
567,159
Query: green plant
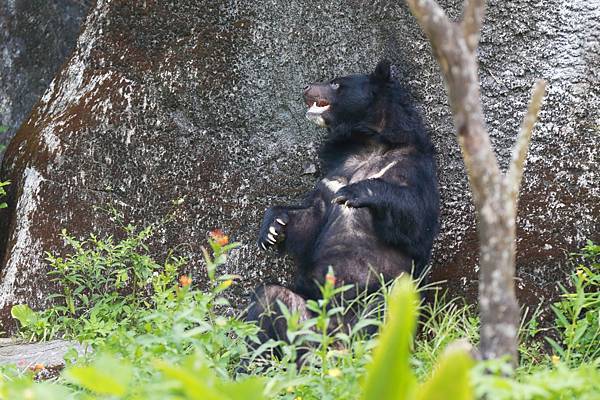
496,380
174,325
578,312
3,193
185,343
442,322
104,284
389,376
33,324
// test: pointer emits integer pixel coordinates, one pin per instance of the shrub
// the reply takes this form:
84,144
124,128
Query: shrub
155,335
578,312
104,285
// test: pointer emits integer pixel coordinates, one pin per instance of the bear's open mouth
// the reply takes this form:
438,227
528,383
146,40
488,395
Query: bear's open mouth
318,107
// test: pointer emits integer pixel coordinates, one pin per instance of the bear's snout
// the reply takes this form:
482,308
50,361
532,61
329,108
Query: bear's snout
317,98
317,93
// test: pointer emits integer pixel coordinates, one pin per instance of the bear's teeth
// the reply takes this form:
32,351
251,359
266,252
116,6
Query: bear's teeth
315,109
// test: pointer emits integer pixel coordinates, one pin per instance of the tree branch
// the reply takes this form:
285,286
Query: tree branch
515,173
472,19
431,17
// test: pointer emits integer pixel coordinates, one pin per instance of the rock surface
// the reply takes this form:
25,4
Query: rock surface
45,358
201,100
36,37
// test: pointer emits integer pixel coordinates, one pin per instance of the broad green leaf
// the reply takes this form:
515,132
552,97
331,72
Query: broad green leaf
247,389
582,327
193,384
24,388
389,375
450,379
24,314
106,376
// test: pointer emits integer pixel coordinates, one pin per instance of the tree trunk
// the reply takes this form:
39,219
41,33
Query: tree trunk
495,196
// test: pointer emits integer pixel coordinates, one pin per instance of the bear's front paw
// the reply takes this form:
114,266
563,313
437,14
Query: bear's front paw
272,231
350,196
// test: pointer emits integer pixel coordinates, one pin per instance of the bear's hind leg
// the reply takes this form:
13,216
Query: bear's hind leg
266,312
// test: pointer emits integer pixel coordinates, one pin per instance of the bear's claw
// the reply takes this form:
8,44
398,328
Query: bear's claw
273,230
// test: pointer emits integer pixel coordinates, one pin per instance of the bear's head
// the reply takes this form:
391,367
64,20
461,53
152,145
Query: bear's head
349,100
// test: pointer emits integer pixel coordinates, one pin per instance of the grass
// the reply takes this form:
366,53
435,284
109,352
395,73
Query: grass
155,335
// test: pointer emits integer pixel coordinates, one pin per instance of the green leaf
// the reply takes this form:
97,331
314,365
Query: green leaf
582,326
24,388
231,246
71,355
451,379
247,389
24,314
335,311
364,323
560,316
193,384
389,375
106,376
557,347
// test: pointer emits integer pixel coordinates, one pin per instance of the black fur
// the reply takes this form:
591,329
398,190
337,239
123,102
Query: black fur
377,205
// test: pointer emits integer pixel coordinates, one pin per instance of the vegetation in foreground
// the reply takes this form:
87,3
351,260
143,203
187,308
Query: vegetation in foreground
152,334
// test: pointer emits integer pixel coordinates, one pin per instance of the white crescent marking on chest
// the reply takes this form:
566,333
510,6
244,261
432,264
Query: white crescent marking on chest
333,185
383,171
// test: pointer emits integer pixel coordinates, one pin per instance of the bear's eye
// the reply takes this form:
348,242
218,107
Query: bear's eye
334,85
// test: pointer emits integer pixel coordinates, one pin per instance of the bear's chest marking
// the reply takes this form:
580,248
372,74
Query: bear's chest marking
383,170
337,182
333,184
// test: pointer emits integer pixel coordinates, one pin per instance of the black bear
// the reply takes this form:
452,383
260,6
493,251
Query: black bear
376,208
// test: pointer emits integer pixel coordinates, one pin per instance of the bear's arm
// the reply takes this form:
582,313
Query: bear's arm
302,225
404,205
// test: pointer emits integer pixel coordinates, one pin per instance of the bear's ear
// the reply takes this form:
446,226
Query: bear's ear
382,71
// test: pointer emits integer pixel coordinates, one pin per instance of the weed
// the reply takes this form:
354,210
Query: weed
3,193
578,313
155,335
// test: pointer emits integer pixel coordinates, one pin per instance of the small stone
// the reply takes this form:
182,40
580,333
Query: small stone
309,169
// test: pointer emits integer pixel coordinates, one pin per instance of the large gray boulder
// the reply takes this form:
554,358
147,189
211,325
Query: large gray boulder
36,37
201,100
